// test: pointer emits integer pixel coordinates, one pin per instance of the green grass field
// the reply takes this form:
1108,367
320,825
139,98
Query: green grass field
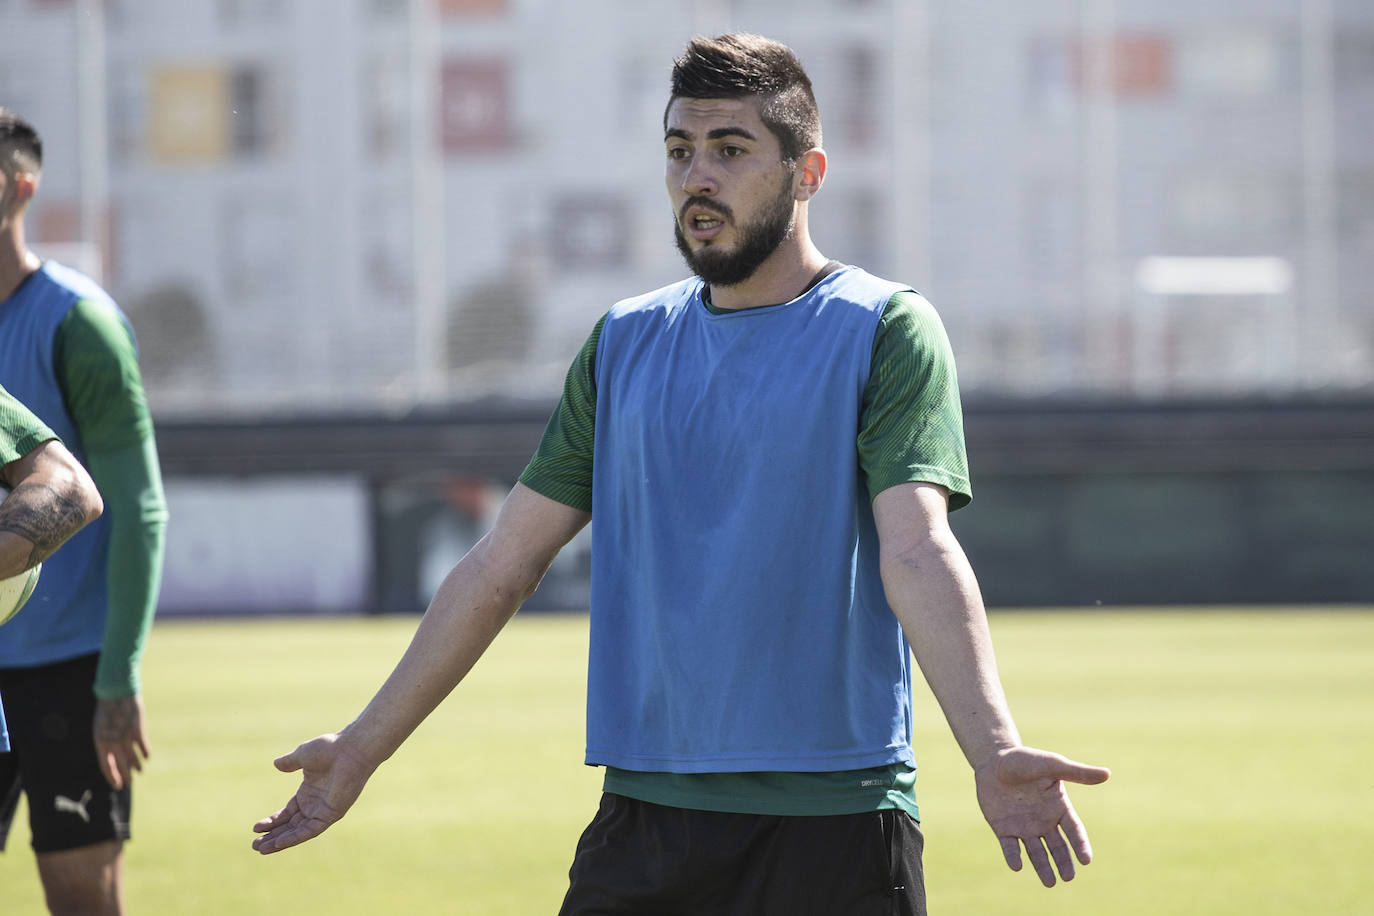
1240,742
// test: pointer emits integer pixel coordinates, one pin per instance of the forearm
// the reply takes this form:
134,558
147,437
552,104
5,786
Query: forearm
138,522
16,554
472,604
134,582
53,498
933,592
475,600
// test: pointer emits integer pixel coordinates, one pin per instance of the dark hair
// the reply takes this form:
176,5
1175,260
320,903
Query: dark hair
739,65
19,142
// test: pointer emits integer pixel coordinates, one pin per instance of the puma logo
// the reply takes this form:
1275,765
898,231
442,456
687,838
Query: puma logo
63,803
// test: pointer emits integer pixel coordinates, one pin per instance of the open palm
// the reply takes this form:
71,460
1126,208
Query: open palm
1022,794
331,781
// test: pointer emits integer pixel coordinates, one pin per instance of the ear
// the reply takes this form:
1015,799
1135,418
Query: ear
24,185
810,173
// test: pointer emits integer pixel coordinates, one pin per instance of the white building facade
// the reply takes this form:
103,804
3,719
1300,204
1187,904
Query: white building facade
316,204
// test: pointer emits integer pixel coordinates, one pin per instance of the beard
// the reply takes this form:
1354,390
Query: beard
756,240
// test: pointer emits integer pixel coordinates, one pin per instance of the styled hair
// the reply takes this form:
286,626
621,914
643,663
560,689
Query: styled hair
19,143
740,65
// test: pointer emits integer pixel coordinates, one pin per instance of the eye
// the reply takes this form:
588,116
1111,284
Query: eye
730,151
678,152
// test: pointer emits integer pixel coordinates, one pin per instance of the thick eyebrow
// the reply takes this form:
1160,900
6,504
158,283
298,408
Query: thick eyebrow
715,133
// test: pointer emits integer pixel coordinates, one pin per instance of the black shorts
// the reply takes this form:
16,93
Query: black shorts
52,759
641,859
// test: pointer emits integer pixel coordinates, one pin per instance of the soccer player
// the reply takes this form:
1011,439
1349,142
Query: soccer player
51,497
770,450
69,672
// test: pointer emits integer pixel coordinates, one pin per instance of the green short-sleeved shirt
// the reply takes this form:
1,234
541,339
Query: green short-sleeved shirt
911,429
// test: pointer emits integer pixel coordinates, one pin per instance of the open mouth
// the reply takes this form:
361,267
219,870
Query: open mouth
703,224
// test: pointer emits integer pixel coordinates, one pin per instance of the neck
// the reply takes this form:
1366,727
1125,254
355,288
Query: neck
779,279
16,261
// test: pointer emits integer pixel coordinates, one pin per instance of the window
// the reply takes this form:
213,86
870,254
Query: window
1136,66
471,8
1052,76
187,114
1237,64
205,113
250,118
861,89
1234,210
1355,206
258,245
233,12
475,115
126,110
1353,60
386,95
592,231
388,9
388,266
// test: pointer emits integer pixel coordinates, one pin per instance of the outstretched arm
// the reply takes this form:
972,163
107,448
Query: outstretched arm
474,602
52,498
932,590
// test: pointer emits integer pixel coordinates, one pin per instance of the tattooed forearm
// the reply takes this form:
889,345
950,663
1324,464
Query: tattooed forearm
42,516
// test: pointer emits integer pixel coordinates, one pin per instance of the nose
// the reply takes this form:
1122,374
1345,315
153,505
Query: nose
697,179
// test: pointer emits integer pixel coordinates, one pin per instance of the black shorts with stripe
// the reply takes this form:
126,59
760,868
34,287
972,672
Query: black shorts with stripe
51,712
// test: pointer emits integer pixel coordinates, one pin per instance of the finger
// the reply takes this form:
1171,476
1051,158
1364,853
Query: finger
105,759
1011,851
122,754
277,817
288,763
1040,861
1078,836
142,744
1059,851
274,841
293,833
1082,773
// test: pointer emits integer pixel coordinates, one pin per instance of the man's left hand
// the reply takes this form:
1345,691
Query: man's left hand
1021,792
120,744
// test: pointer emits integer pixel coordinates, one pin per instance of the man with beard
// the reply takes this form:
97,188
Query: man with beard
770,449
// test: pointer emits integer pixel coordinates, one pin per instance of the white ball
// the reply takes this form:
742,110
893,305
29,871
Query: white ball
15,590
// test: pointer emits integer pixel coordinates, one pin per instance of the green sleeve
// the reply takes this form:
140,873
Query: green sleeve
138,525
561,468
97,367
912,426
20,431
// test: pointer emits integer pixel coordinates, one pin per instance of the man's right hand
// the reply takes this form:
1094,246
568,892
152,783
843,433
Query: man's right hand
332,778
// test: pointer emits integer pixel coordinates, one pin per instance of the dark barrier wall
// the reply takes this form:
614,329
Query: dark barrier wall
1172,538
1254,502
1075,503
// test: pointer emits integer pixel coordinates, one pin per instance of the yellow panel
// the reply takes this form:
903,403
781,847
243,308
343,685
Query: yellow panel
189,117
